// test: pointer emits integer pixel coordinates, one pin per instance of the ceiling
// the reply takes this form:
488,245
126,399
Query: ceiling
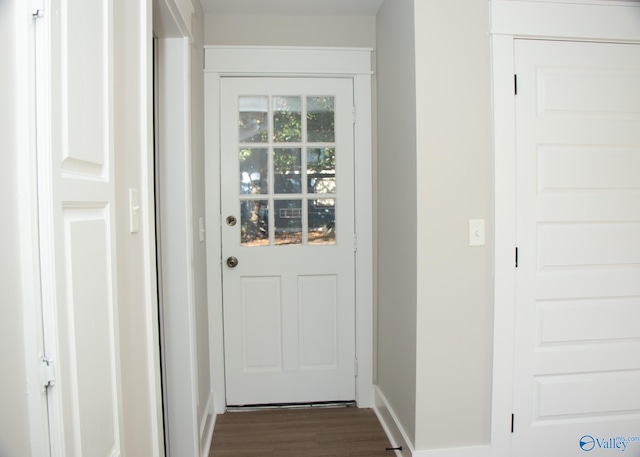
294,7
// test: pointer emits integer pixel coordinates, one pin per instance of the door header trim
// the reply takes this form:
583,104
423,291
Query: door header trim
270,60
599,20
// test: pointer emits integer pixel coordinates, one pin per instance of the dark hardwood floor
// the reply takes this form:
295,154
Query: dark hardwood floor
300,432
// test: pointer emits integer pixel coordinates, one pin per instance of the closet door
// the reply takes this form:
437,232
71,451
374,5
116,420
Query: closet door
77,220
577,326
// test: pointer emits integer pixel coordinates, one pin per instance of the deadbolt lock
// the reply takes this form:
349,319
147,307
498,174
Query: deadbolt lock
231,221
232,262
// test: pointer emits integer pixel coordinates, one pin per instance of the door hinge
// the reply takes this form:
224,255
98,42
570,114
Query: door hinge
355,368
37,8
353,112
515,84
513,420
516,257
47,372
355,243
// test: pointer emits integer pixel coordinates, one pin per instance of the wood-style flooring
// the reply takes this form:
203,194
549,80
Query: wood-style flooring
300,432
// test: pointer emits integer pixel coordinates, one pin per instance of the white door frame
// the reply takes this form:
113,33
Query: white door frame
283,61
188,431
600,20
31,47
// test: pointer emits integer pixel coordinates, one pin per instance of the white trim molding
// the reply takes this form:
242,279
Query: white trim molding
176,241
396,434
354,63
575,20
281,61
600,20
30,39
207,423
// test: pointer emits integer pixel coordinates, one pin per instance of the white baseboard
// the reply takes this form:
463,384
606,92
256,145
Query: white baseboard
398,437
473,451
389,421
207,422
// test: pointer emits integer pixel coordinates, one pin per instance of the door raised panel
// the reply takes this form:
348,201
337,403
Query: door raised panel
318,320
261,324
576,395
87,328
585,320
85,88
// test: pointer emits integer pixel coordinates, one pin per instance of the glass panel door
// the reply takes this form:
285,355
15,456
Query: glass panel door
287,155
287,201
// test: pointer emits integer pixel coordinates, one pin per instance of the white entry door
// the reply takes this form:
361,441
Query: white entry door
288,239
577,354
77,226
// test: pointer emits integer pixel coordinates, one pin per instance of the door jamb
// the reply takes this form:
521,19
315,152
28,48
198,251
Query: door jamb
29,86
283,61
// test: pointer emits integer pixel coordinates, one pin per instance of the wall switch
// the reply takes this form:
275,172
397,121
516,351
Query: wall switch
202,230
134,211
476,232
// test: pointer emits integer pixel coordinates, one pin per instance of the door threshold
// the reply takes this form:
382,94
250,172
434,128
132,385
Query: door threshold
319,404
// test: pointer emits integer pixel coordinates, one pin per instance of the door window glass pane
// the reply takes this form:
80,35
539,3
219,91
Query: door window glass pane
288,221
254,223
253,124
254,171
322,221
287,168
321,170
287,119
321,119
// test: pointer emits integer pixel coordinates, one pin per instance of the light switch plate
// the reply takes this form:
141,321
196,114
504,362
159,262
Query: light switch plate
134,211
476,232
201,227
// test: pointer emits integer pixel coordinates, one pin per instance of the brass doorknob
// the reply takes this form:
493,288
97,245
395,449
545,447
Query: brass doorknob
232,262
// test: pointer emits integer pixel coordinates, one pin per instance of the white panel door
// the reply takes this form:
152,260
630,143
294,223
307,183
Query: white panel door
288,239
577,329
77,218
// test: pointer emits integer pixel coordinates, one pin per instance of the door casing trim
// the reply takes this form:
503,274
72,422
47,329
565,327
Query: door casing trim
245,61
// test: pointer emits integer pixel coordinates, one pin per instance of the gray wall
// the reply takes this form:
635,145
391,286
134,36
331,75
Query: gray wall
397,210
14,425
454,170
352,31
198,210
434,156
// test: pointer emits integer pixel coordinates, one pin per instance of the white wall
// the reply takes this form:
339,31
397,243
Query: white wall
454,163
14,419
205,402
189,397
19,426
397,210
178,307
136,258
241,30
